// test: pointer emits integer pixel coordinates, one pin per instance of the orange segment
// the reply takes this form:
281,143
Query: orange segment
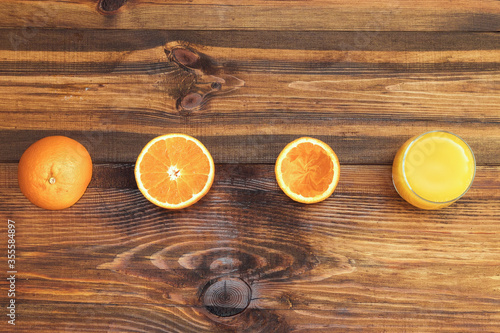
307,170
174,171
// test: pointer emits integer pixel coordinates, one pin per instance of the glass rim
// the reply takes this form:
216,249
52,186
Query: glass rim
404,173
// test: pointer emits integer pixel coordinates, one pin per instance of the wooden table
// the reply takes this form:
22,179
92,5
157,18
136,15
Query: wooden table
246,78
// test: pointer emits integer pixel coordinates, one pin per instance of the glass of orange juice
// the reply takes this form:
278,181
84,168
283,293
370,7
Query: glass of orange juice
433,170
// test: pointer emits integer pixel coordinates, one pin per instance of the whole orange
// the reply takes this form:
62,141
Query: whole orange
54,172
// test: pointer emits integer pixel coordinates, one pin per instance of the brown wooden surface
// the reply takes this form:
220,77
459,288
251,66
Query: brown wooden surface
363,77
296,15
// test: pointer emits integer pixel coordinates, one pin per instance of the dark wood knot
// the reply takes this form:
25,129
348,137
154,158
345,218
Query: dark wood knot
110,6
186,57
206,78
226,297
190,101
216,85
193,100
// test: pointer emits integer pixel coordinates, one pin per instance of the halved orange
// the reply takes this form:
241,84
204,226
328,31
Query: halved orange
174,171
307,170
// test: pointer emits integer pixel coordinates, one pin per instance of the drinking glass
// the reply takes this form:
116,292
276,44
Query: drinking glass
433,170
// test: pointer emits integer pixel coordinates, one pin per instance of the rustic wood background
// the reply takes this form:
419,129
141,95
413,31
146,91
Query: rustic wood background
247,77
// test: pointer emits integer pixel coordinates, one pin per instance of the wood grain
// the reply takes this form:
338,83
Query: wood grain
361,260
246,78
329,15
74,40
353,98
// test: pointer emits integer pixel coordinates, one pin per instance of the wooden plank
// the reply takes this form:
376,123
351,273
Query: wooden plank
79,40
361,76
361,260
329,15
90,318
115,100
342,136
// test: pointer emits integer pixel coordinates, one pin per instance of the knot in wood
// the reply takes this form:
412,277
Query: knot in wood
225,297
110,6
216,85
186,58
190,101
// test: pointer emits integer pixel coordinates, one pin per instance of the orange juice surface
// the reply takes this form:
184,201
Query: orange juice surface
433,170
